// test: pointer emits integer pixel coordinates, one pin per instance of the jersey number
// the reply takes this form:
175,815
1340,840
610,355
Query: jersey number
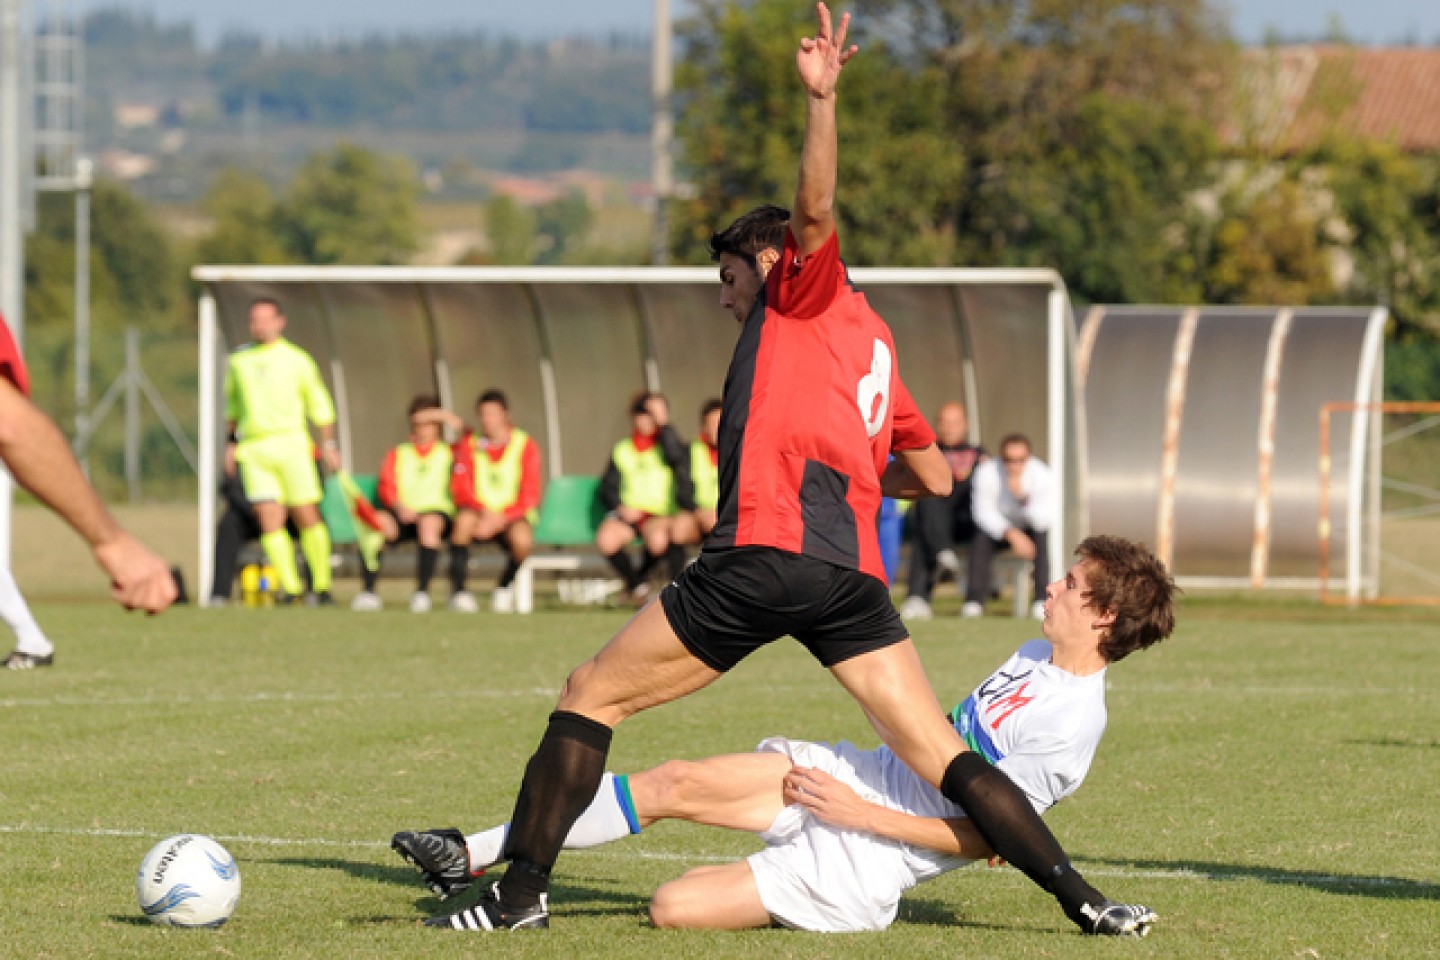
873,392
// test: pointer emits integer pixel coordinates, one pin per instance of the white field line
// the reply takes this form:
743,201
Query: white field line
1220,874
292,697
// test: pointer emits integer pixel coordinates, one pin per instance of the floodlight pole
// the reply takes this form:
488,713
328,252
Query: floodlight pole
83,182
12,250
662,132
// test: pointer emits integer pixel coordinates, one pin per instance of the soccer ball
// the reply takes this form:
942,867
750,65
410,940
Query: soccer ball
188,881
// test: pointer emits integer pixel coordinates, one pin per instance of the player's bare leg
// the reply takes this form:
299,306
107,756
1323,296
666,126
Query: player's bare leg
741,791
643,666
891,687
711,898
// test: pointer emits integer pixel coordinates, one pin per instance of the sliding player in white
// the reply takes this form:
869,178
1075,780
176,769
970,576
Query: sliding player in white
847,831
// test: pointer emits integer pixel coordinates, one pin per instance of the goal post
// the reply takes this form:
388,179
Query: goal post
1389,503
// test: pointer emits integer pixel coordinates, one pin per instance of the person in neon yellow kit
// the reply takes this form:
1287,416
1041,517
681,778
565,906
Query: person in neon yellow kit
272,388
693,526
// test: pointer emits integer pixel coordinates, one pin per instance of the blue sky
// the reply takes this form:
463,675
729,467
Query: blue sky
1366,21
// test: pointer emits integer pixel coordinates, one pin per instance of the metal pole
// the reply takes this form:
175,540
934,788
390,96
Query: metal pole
209,453
662,131
132,413
12,250
82,311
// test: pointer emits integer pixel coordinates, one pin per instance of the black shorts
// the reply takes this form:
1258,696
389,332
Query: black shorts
410,532
730,603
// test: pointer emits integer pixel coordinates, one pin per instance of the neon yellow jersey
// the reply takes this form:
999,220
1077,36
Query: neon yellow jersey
424,478
646,481
705,475
273,388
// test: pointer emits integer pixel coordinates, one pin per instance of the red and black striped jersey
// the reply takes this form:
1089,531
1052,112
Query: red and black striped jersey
813,408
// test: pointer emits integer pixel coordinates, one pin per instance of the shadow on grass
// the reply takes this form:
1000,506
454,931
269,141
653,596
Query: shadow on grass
1348,884
577,899
1396,742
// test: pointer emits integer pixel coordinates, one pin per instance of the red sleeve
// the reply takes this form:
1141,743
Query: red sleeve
462,479
12,365
805,287
387,490
910,430
529,498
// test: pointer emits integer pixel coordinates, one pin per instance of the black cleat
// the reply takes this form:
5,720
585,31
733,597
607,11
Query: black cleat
440,856
28,661
321,599
491,914
1119,919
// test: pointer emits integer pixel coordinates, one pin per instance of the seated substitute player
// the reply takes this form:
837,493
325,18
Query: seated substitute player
496,486
415,503
693,526
644,486
814,409
848,831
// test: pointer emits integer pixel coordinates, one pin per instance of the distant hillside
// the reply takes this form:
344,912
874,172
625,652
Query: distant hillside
163,110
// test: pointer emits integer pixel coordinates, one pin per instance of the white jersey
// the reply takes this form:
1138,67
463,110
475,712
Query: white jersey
1039,724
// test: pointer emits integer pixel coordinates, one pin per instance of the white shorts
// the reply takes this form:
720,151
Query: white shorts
812,876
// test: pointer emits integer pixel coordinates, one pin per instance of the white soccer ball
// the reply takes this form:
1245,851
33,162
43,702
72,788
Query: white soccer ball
188,881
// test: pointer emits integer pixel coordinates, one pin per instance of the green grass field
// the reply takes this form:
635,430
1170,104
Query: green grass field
1269,783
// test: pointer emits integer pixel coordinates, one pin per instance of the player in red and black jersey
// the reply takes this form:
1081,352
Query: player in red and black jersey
814,408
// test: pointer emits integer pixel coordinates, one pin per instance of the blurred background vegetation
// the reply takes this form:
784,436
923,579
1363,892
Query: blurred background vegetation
1123,142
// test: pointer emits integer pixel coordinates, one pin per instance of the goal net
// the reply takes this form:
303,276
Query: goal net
1380,503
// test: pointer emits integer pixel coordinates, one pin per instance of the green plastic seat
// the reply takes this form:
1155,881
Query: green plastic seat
570,512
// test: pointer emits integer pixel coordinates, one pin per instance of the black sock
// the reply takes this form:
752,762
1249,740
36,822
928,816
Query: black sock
429,557
507,576
675,561
370,576
1003,815
560,781
620,560
459,566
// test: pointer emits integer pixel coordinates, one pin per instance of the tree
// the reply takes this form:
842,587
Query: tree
248,222
741,130
351,205
511,229
561,227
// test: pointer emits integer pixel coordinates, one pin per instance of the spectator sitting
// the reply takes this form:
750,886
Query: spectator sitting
693,526
415,503
940,523
496,487
1012,502
645,482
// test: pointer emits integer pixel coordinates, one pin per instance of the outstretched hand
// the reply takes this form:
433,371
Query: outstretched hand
821,57
139,579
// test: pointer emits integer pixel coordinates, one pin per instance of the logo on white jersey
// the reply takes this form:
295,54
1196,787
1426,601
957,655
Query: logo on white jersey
872,394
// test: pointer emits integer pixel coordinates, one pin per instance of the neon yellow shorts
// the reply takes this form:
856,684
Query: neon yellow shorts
279,469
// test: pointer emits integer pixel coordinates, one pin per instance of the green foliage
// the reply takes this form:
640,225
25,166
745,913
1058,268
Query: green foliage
136,274
511,229
351,205
1267,248
249,222
742,124
561,227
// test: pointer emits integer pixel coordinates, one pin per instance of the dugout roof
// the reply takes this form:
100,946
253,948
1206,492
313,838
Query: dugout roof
1202,428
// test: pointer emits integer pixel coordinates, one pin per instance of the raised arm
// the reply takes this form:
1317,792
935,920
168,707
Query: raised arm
819,62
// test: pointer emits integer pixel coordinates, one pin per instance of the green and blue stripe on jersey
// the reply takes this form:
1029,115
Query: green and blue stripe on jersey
966,718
